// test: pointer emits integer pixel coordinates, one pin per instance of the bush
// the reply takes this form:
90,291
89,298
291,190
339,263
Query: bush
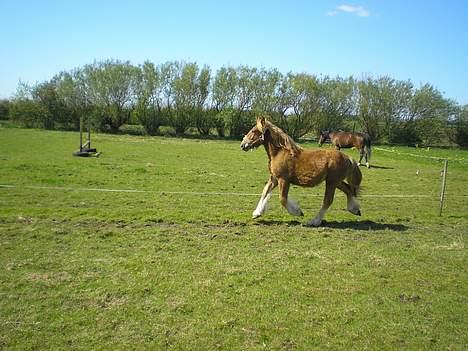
4,109
406,134
460,129
30,114
150,119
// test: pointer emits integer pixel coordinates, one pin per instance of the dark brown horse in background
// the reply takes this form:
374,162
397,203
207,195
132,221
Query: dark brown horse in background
290,164
360,141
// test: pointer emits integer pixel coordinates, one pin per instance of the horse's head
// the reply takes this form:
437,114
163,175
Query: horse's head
255,137
252,140
324,135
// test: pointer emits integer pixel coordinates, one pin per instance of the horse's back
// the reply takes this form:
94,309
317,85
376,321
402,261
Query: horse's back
342,139
314,166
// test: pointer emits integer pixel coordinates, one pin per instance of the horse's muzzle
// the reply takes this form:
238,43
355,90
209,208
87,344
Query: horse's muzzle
245,146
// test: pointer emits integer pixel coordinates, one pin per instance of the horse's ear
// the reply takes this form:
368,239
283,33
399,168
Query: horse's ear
261,121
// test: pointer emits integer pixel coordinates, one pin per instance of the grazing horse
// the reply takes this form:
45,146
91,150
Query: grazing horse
360,141
290,164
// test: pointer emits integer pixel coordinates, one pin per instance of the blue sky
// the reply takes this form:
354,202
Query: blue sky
424,41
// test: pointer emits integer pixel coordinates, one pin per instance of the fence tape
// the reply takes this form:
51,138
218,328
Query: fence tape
199,193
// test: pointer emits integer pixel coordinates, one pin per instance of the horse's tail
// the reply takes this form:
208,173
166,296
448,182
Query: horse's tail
367,146
354,177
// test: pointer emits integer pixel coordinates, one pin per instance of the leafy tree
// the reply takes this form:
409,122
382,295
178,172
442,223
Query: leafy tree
266,84
150,102
381,104
112,88
223,97
241,119
38,105
303,95
73,90
203,119
190,89
168,72
431,112
46,94
336,99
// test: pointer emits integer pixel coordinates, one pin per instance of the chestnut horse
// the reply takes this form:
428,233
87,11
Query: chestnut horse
360,141
290,164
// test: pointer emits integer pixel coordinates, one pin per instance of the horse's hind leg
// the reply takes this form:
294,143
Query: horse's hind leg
266,193
327,201
290,205
352,203
361,155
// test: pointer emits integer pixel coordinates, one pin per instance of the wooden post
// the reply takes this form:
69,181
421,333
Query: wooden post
89,132
81,134
442,190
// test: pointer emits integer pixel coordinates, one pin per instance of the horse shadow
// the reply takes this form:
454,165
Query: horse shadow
355,225
273,222
365,225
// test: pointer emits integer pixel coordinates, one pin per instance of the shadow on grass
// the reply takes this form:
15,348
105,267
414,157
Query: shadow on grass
365,225
380,167
355,225
276,222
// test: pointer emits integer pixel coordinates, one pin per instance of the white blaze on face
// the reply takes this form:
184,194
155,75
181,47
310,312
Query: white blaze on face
244,143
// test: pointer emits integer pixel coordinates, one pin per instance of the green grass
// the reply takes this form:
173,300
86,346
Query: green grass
180,265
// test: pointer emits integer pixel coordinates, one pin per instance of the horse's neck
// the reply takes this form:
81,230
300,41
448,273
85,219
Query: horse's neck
274,148
271,149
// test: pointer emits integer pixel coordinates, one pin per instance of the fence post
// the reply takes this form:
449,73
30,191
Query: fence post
89,132
442,190
81,134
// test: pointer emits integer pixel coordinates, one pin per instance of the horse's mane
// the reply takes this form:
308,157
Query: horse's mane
281,140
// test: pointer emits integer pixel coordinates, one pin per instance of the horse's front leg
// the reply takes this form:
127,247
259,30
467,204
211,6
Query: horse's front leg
290,205
266,193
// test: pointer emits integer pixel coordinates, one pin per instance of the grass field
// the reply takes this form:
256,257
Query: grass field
175,262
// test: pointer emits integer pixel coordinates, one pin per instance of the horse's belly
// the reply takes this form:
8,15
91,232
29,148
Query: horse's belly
308,179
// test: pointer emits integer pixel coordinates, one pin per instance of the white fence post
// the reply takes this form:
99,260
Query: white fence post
442,190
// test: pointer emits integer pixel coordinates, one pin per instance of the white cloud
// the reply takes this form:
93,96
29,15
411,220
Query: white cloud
357,10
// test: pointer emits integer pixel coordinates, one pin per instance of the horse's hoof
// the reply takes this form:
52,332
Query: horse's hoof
256,215
313,223
301,214
358,213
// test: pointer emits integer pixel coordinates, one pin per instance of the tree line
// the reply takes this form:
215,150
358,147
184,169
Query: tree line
185,96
